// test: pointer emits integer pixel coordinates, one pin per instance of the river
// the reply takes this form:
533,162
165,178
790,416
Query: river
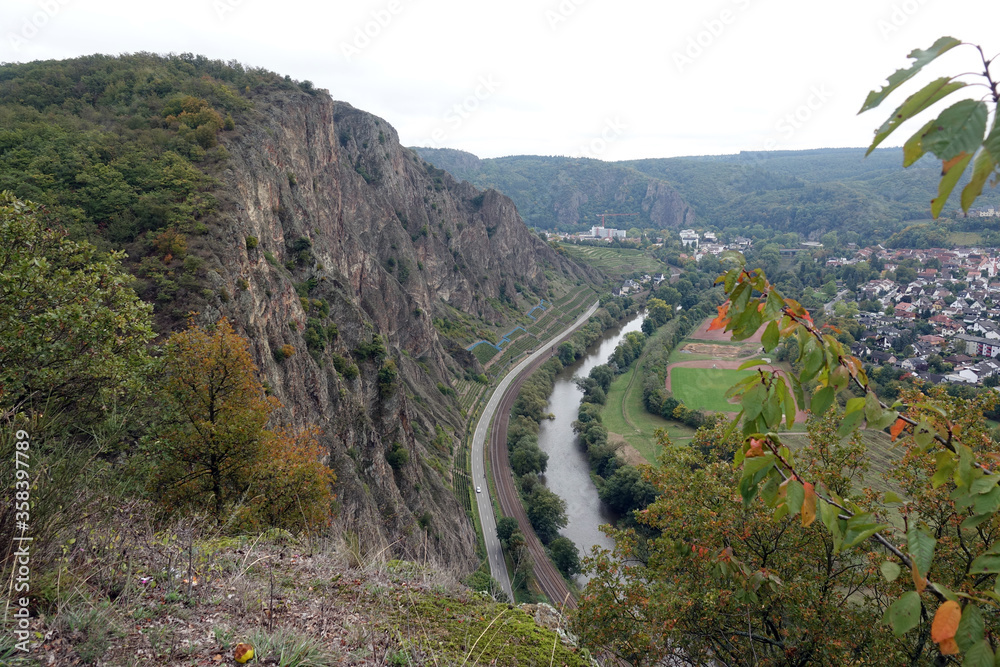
568,471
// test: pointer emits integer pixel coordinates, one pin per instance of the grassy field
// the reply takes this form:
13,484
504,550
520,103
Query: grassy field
965,238
616,261
629,418
705,388
625,414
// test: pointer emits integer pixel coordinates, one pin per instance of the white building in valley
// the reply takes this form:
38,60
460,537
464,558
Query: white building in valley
689,237
607,233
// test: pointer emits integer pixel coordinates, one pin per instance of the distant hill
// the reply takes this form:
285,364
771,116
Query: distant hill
569,193
810,192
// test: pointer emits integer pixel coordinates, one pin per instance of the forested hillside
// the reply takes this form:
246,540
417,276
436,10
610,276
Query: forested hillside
568,194
810,192
356,272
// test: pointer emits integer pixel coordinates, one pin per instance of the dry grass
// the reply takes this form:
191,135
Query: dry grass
125,593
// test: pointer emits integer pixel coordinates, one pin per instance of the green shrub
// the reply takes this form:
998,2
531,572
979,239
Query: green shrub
397,456
343,366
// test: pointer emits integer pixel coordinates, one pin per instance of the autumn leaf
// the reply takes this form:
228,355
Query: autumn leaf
946,165
948,647
918,580
945,625
721,320
897,428
808,504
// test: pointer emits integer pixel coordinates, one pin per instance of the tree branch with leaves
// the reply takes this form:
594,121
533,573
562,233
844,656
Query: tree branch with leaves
963,462
958,135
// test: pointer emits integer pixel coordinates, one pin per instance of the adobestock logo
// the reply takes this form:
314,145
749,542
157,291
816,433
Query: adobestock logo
797,118
364,35
32,25
561,13
712,30
899,15
223,7
613,129
458,113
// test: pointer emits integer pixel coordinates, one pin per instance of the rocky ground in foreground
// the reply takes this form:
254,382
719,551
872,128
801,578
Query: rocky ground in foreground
128,596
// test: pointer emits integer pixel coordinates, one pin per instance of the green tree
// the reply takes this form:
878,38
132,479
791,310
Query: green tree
567,353
506,527
948,547
73,334
528,457
73,372
565,555
729,583
397,456
905,275
546,511
626,490
658,311
603,374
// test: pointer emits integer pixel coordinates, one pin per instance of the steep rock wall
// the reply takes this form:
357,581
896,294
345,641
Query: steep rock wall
354,230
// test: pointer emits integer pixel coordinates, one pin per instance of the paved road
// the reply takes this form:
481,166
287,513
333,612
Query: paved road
839,297
488,521
548,577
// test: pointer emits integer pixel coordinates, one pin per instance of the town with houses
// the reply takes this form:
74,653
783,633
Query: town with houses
942,326
952,311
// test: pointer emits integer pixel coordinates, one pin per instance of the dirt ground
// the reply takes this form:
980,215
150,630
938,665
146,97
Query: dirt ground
721,351
627,452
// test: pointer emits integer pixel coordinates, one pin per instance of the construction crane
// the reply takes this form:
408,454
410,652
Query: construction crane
611,215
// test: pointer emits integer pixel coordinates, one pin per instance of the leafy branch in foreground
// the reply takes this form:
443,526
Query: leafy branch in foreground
957,136
959,459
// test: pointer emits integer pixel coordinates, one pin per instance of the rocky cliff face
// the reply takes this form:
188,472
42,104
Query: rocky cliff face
355,245
569,193
663,203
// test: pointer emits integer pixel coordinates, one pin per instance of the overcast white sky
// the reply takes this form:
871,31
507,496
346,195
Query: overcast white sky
612,79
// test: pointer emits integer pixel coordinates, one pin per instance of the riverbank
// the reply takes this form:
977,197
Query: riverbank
569,471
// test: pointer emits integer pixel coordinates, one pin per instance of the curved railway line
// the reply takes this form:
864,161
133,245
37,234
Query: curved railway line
549,579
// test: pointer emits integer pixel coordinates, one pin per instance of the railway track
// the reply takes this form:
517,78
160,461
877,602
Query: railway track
549,579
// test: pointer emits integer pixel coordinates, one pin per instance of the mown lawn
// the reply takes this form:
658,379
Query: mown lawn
705,388
643,425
